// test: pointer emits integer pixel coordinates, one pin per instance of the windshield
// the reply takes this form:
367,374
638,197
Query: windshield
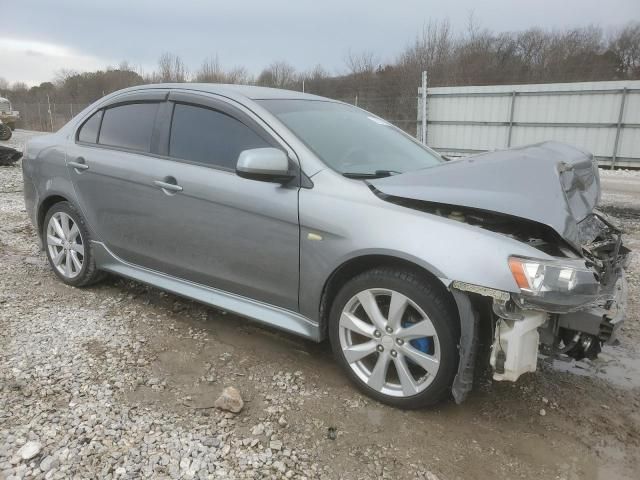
350,140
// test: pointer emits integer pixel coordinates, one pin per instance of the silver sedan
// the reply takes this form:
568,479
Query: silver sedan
324,220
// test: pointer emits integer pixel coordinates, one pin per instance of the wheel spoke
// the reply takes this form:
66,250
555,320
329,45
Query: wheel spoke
368,302
57,227
77,247
57,259
397,308
76,260
65,225
358,352
378,375
67,266
407,381
427,362
73,233
353,323
423,328
53,240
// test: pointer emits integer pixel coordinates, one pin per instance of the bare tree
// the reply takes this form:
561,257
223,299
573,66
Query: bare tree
278,74
171,68
625,44
211,71
362,63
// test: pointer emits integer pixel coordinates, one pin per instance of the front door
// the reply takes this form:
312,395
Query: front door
214,227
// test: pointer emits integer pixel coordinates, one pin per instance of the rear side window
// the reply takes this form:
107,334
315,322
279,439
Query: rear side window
210,137
129,126
89,131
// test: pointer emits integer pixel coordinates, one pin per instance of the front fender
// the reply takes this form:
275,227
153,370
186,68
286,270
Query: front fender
338,224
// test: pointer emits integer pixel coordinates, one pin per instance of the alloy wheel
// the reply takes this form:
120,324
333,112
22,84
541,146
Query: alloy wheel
389,342
65,245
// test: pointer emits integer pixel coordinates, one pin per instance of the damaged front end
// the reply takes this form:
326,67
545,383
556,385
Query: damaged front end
585,299
569,301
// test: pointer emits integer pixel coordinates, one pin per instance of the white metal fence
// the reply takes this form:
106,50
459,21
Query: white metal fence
601,117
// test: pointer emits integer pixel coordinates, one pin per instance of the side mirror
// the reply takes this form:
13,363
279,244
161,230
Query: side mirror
265,164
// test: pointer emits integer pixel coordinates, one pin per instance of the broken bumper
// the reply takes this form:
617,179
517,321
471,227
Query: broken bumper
602,321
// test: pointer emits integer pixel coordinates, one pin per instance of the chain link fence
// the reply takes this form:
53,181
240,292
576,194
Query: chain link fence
44,117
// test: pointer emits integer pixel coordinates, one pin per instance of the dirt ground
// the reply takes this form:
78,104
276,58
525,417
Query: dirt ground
76,362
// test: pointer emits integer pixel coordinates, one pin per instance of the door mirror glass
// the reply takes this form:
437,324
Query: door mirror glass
266,164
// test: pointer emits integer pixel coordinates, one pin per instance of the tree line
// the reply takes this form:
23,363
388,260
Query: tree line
475,56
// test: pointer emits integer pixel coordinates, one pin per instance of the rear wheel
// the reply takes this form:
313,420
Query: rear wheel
5,132
395,334
68,246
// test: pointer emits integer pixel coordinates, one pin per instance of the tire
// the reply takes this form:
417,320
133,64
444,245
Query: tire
5,132
12,126
68,246
396,339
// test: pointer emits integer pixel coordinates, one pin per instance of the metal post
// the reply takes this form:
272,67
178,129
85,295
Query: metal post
512,109
302,86
41,125
50,116
424,108
356,101
618,128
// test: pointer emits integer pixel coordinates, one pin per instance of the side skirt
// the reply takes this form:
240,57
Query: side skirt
261,312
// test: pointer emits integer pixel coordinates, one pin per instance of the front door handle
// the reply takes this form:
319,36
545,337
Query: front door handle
79,164
171,187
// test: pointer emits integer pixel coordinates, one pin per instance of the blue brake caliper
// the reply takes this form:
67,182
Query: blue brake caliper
423,344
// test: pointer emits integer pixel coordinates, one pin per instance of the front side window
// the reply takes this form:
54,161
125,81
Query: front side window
210,137
89,131
352,141
129,126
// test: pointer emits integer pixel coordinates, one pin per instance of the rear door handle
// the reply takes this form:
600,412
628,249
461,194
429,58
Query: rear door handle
79,165
171,187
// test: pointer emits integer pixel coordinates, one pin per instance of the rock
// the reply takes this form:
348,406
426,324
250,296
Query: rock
543,412
258,429
29,450
48,463
230,400
275,445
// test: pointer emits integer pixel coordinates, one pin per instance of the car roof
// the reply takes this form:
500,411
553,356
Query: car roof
247,91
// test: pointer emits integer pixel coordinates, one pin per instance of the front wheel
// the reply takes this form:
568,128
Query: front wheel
395,334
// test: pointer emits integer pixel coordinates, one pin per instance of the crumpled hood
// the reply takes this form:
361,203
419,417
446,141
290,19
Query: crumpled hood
550,183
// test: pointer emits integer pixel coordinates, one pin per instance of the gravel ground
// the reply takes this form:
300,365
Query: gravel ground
119,381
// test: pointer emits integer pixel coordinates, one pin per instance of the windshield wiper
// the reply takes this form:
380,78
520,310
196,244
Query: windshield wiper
376,174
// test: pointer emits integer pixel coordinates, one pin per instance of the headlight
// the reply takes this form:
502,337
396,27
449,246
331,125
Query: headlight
555,283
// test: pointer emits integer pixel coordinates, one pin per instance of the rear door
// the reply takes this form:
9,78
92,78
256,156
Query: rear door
112,169
216,228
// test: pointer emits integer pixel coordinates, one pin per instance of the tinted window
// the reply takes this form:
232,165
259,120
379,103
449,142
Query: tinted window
89,131
210,137
129,126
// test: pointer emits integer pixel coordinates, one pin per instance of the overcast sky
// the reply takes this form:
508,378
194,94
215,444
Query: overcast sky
40,37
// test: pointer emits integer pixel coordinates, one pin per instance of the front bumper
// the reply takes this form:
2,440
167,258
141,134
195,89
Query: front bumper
602,321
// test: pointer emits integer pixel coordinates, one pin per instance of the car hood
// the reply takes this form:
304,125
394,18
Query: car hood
549,183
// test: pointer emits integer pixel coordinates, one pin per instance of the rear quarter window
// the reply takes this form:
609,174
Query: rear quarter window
129,126
88,133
